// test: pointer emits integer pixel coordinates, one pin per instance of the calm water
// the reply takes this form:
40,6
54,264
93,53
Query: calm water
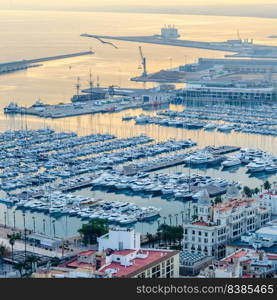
26,35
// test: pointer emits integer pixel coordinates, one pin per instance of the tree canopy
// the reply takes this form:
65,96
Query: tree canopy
171,233
92,230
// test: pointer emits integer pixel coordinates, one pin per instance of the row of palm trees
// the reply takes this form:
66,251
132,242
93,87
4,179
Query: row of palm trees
29,262
166,234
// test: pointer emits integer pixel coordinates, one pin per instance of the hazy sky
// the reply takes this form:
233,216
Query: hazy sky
87,3
246,8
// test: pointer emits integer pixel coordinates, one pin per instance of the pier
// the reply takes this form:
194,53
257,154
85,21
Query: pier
84,108
238,47
14,66
178,159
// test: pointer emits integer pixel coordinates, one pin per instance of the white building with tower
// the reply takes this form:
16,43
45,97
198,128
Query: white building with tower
215,224
169,32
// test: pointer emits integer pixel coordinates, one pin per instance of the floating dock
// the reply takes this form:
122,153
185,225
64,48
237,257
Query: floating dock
217,151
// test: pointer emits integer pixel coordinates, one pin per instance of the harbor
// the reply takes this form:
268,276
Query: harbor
169,36
66,141
150,155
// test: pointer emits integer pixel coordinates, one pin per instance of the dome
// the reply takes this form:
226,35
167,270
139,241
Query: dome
232,192
204,198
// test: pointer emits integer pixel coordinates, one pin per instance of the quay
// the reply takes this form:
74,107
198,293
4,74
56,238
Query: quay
84,108
179,159
240,48
13,66
80,185
132,170
224,150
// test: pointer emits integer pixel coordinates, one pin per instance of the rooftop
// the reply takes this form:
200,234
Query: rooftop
239,244
139,264
268,230
200,223
233,203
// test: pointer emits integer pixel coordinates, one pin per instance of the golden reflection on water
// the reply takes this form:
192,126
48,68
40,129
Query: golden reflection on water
26,35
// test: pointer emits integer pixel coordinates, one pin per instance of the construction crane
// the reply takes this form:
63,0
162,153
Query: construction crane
143,62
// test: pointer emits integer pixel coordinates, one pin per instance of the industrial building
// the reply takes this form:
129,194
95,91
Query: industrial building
233,94
243,65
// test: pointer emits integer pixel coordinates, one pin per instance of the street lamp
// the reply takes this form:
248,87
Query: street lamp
25,240
170,220
14,219
182,214
5,218
54,229
44,225
159,223
34,223
176,216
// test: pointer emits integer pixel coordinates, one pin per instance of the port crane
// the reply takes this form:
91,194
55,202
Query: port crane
143,62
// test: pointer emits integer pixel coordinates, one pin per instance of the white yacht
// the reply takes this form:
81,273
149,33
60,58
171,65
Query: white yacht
271,168
230,162
256,166
210,126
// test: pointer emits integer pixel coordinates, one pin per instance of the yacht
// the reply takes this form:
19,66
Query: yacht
256,166
127,220
225,128
210,126
230,162
271,168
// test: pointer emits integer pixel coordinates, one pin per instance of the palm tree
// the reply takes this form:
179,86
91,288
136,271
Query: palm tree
12,238
267,185
54,261
4,251
20,266
149,238
32,260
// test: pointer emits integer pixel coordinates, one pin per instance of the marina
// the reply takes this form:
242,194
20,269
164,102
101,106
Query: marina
79,141
151,155
256,121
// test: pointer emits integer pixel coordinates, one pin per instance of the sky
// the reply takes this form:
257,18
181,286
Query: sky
87,3
249,8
